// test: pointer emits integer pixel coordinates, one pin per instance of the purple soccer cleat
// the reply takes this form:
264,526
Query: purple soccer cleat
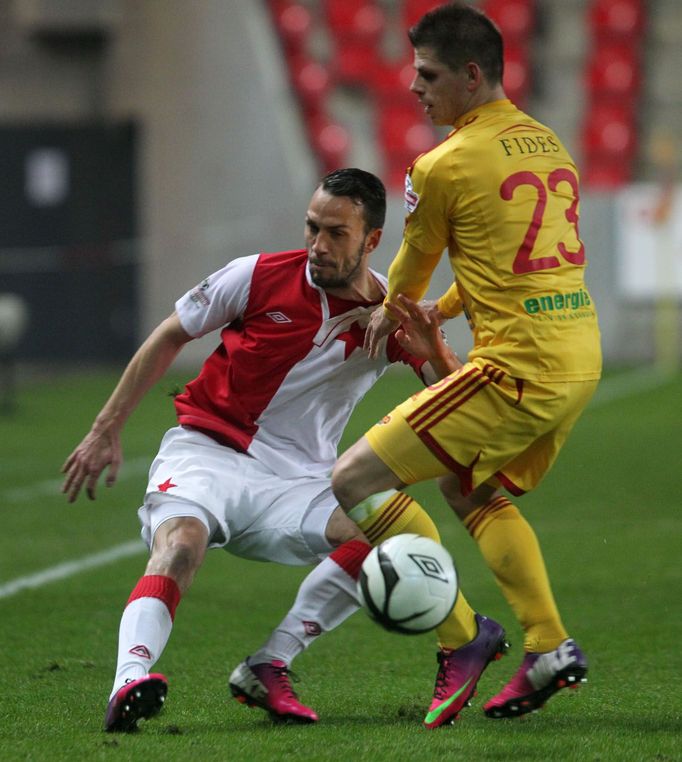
539,677
268,686
460,669
136,700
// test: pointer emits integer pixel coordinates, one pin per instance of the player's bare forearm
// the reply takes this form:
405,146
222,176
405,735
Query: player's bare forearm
380,325
420,334
441,366
101,447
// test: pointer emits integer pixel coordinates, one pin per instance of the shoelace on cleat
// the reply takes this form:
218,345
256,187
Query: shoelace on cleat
282,675
441,678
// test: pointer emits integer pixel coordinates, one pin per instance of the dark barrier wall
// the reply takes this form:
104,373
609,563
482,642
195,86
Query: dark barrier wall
67,223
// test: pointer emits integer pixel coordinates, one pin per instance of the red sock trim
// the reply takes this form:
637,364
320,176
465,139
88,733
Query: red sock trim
158,586
481,516
350,556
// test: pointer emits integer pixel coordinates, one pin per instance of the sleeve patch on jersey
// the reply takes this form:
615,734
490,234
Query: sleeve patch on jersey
411,198
198,296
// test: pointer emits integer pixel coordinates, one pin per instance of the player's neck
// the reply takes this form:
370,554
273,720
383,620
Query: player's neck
362,289
491,95
483,97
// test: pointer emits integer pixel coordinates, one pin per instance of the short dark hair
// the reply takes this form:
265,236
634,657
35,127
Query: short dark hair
363,188
459,33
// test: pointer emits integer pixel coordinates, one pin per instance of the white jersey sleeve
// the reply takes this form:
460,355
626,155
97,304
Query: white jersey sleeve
218,299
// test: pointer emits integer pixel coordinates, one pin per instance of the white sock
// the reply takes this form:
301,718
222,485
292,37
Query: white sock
326,597
144,631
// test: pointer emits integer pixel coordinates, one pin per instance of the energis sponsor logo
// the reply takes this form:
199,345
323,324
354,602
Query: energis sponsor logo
547,304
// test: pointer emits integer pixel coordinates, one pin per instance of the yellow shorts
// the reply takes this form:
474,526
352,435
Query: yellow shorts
482,425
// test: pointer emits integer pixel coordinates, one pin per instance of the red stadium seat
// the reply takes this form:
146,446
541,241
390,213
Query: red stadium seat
391,81
354,62
359,20
515,18
617,19
606,174
356,28
614,71
413,10
613,80
609,131
517,74
293,22
394,171
403,133
312,82
403,129
330,141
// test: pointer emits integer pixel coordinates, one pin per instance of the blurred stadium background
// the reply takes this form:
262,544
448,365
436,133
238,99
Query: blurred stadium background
145,143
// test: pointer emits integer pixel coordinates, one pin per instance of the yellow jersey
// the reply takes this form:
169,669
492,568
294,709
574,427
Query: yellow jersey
501,193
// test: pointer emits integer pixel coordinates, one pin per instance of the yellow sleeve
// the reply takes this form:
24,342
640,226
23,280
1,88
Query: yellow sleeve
450,304
410,272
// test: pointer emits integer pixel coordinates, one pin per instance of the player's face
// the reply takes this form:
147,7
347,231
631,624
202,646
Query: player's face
336,239
446,94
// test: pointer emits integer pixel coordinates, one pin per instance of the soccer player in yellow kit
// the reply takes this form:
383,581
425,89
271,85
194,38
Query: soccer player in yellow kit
501,193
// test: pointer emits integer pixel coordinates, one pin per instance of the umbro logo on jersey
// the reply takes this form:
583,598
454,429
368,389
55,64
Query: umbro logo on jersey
278,317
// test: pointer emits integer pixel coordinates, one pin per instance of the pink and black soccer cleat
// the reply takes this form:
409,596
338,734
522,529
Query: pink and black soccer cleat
136,700
460,669
539,677
268,686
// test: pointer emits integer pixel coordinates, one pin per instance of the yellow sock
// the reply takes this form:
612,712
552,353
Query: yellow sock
511,550
390,513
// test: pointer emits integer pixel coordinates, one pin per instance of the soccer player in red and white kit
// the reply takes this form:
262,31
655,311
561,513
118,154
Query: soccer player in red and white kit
248,467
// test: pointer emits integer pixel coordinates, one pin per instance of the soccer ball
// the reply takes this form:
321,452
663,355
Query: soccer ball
408,584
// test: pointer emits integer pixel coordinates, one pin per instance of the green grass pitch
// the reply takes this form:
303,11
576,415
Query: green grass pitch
608,517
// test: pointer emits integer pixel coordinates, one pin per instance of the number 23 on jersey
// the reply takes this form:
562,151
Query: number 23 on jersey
524,261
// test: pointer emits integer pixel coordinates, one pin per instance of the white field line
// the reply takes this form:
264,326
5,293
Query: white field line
70,568
610,390
52,487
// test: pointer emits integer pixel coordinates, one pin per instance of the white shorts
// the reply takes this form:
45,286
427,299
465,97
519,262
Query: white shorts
246,508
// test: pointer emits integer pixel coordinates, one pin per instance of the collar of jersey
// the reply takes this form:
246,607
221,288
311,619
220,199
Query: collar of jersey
499,105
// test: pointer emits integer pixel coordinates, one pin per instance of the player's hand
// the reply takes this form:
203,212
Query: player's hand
419,331
430,307
379,325
86,463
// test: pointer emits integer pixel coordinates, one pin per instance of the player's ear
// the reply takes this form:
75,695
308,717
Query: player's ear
372,239
474,75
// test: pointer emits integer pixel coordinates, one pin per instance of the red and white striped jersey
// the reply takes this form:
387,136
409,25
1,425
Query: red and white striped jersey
290,367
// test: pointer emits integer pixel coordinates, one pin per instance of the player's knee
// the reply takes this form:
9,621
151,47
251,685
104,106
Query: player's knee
178,551
341,529
359,473
343,484
463,505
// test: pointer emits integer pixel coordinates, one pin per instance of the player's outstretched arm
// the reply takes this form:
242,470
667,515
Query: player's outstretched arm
101,447
420,335
409,274
380,325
